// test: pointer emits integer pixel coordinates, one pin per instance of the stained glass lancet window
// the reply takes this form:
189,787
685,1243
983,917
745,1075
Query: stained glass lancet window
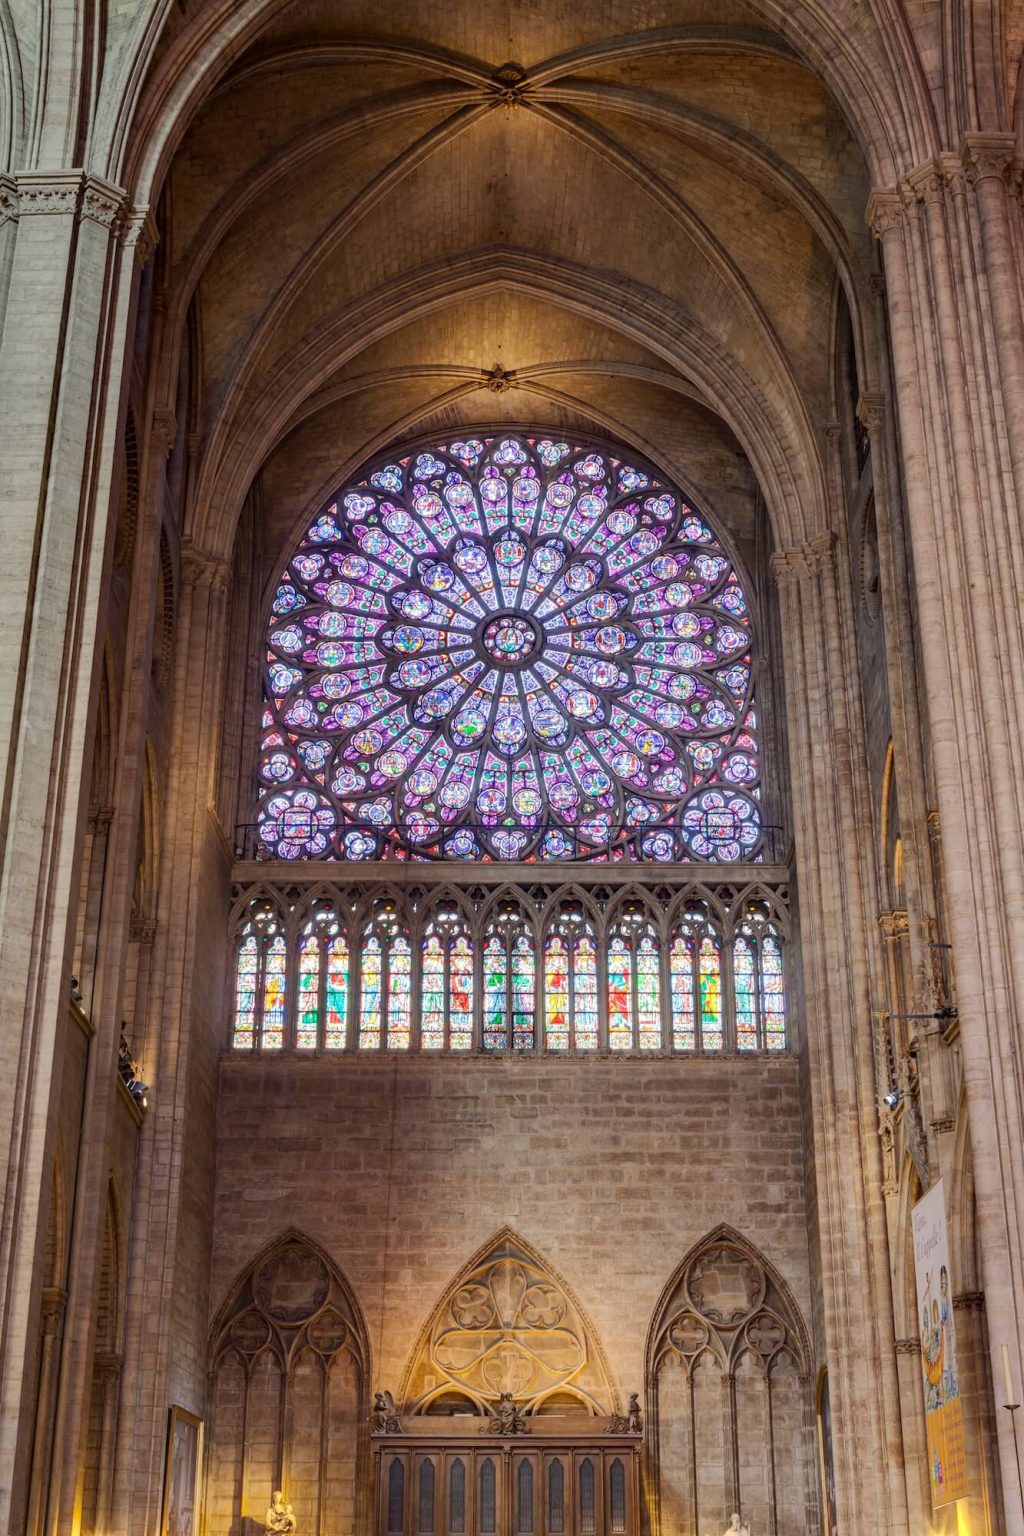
446,1008
758,984
634,989
695,982
322,1003
507,648
261,980
570,983
385,991
510,981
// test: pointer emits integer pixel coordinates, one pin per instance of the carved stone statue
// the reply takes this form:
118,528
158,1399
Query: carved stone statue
735,1528
384,1419
630,1422
506,1419
280,1518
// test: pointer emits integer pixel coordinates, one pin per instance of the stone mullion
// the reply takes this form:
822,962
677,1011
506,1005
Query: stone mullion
166,1049
61,378
854,1264
981,830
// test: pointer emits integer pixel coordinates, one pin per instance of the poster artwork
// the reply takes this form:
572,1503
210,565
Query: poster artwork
943,1408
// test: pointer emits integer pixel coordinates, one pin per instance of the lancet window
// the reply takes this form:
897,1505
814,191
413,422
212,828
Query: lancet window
385,985
634,1000
509,983
758,983
571,1019
261,980
695,982
323,982
447,984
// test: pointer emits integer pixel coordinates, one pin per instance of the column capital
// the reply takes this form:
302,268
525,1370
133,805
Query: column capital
200,567
871,409
804,560
925,184
141,234
987,156
8,199
885,211
53,192
164,430
103,204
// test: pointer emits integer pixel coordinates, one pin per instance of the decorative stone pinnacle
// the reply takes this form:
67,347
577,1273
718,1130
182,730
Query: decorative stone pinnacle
498,380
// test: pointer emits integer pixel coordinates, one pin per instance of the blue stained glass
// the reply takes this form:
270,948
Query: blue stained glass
485,649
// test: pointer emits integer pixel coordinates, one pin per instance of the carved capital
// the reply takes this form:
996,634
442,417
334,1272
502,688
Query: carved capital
57,193
894,925
885,211
103,204
969,1301
165,429
52,1307
987,157
804,560
926,184
946,1123
141,234
200,568
907,1346
871,410
8,200
106,1368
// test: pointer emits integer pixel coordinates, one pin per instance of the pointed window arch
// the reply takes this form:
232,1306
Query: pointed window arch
261,979
758,981
570,981
322,981
510,647
510,982
634,986
695,981
447,983
385,992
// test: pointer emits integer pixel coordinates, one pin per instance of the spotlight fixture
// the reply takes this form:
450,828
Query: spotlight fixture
892,1098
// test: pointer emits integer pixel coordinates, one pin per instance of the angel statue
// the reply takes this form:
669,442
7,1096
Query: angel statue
280,1519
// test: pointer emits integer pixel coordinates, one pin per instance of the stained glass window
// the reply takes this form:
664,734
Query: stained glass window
509,648
588,1502
425,1524
385,994
617,1498
570,982
261,980
556,1498
488,1498
322,1005
634,986
510,983
695,983
446,1009
758,983
457,1497
396,1498
524,1498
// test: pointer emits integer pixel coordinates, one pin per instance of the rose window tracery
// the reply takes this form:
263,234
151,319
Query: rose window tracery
510,648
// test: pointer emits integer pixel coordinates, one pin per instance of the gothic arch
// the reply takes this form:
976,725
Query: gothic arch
289,1377
727,1365
508,1322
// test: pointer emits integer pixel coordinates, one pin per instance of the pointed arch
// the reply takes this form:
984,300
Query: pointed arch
508,1322
727,1313
289,1357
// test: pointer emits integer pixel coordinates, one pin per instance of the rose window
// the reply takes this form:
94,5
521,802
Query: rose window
505,649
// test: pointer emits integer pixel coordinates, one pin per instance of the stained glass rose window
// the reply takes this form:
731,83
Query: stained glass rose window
510,648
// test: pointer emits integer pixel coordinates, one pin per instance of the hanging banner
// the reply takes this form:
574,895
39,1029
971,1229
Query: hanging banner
943,1408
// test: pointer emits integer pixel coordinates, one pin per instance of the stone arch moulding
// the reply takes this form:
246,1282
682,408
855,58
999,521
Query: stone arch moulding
508,1322
729,1399
289,1358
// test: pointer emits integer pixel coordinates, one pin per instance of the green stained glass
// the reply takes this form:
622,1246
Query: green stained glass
336,1012
523,993
399,995
433,1006
308,1025
495,994
773,1001
744,971
684,1019
370,995
246,974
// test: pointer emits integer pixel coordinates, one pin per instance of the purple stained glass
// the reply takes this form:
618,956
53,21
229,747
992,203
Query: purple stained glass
509,648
